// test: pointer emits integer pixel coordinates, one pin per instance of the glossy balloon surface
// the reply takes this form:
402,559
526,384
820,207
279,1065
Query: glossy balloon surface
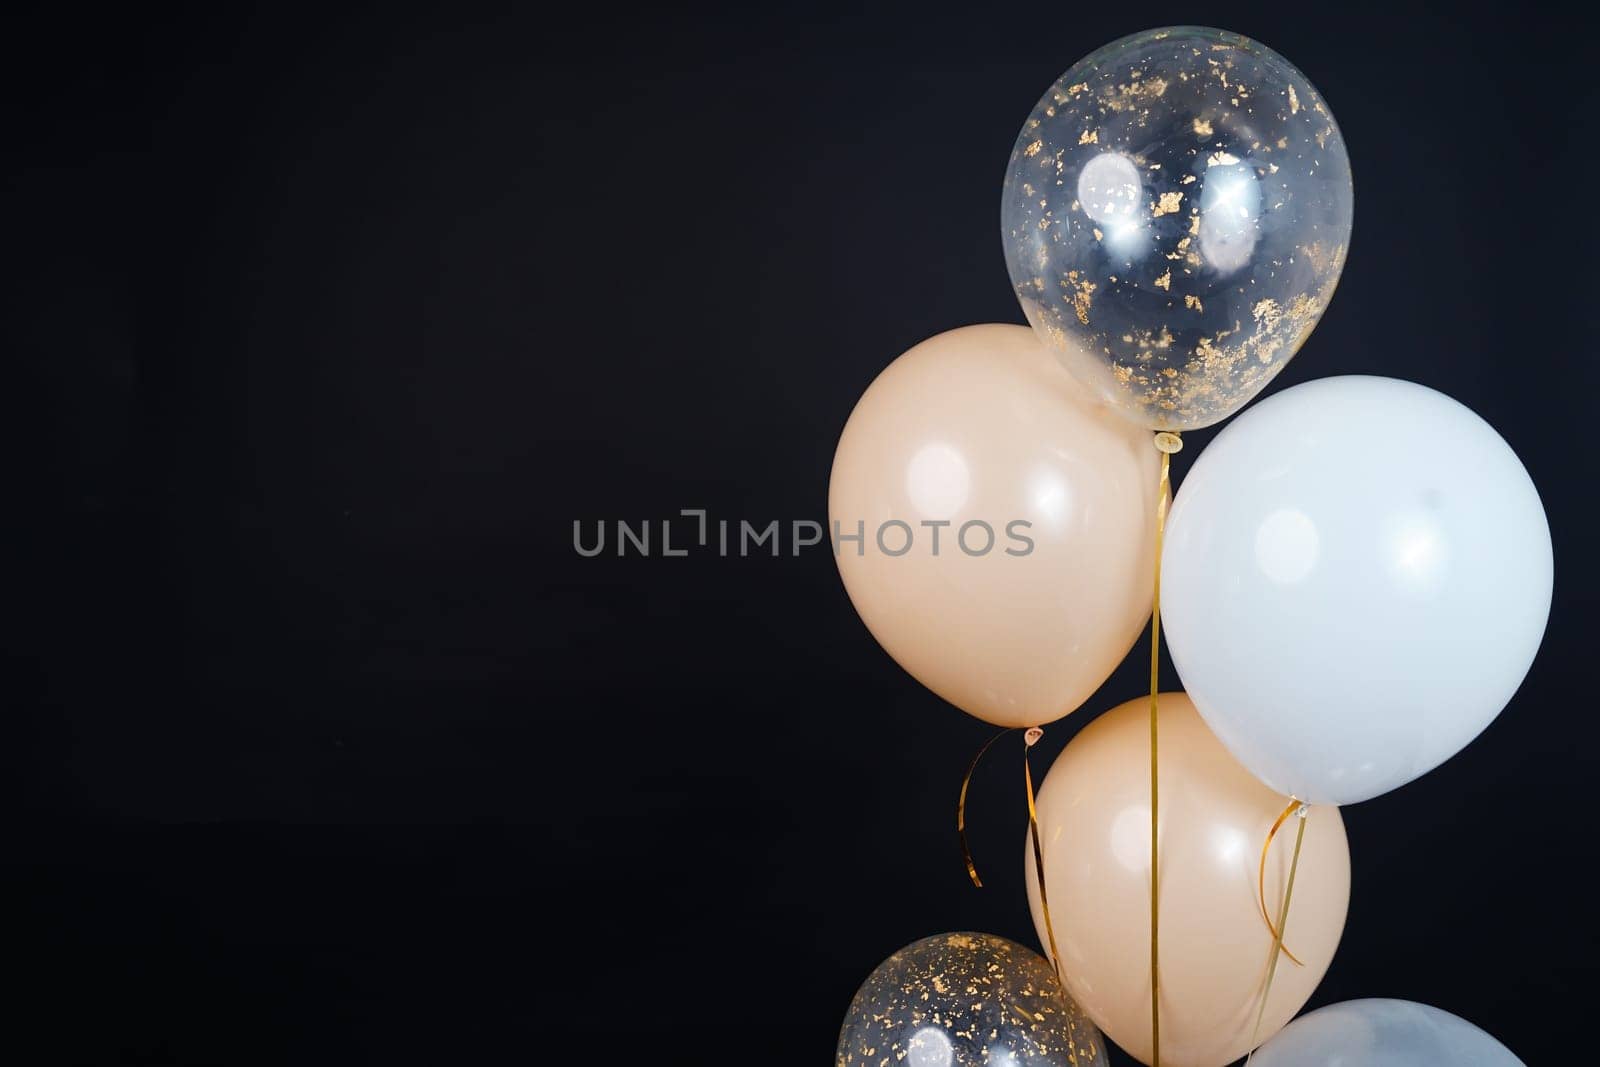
1382,1033
1356,580
1094,815
1001,525
1176,215
966,1000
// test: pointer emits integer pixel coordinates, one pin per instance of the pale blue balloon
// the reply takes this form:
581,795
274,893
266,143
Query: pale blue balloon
1382,1033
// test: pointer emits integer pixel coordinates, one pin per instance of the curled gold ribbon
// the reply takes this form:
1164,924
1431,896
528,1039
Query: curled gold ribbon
961,809
1030,738
1261,877
1166,444
1277,937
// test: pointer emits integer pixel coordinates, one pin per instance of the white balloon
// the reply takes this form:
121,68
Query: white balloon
1357,577
1382,1033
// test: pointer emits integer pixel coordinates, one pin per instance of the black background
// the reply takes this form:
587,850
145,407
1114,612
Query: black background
326,745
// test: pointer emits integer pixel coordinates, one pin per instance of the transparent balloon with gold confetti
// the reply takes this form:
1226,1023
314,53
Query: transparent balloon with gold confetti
966,1000
1176,215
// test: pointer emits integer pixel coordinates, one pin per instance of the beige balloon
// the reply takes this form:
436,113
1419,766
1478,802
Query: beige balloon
1094,821
1006,524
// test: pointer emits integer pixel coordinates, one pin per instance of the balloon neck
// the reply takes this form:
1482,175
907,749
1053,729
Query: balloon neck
1169,442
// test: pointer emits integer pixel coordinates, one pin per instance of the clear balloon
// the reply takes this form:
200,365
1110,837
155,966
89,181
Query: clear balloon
1176,215
1357,577
1001,525
966,1000
1382,1033
1094,818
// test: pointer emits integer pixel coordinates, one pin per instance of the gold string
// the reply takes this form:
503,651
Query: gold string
1166,444
1030,739
961,809
1261,876
1277,940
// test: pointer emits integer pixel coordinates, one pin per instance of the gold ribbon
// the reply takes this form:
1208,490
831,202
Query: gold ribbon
961,809
1166,443
1261,878
1030,738
1277,936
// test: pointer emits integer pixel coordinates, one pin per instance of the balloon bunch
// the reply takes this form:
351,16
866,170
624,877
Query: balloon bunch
1354,578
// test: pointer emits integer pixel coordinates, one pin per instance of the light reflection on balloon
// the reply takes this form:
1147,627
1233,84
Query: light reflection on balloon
930,1047
1416,551
1052,496
937,481
1108,189
1287,546
1230,215
1130,838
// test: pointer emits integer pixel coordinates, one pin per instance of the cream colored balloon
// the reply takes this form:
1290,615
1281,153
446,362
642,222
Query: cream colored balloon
1094,818
1007,524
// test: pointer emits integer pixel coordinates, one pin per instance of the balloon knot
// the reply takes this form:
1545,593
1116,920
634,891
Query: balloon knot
1169,442
1031,738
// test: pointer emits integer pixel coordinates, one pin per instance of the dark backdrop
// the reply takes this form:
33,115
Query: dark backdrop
328,748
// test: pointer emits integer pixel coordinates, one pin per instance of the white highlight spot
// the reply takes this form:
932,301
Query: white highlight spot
938,481
929,1047
1287,546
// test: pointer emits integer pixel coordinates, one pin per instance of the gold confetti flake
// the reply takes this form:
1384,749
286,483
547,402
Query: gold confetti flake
1089,137
1265,309
1165,281
1193,302
1082,290
1033,149
1202,127
1294,101
1166,205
